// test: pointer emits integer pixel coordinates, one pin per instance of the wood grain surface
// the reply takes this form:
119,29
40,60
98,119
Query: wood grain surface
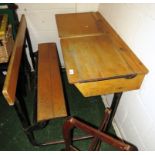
96,60
50,97
10,84
93,58
77,24
109,86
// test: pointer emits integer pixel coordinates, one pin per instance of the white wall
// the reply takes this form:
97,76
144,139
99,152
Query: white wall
135,117
41,20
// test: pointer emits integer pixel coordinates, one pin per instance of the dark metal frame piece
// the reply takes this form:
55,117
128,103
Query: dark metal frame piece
29,128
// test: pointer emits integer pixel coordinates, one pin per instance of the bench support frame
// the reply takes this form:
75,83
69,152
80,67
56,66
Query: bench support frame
29,128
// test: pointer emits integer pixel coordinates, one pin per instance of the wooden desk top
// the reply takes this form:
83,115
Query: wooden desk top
77,24
98,63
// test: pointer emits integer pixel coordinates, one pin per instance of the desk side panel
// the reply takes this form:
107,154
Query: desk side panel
109,86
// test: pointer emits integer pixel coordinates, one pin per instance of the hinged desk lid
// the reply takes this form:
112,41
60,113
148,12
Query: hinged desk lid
94,58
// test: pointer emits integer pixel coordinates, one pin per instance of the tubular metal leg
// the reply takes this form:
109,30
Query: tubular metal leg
29,129
30,48
22,114
114,105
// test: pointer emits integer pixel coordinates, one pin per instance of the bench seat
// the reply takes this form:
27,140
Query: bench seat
50,97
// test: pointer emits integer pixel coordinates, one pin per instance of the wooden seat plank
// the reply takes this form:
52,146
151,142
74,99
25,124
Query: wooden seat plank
50,99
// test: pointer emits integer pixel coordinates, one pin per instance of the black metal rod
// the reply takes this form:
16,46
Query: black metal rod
30,49
22,114
63,141
114,106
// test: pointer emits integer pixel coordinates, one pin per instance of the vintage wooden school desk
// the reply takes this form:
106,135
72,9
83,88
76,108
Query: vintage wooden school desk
97,60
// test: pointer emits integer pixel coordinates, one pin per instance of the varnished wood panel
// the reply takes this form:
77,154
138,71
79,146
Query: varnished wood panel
50,98
109,86
9,89
96,60
127,53
77,24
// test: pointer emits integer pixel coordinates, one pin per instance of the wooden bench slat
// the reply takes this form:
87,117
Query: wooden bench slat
50,98
10,84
